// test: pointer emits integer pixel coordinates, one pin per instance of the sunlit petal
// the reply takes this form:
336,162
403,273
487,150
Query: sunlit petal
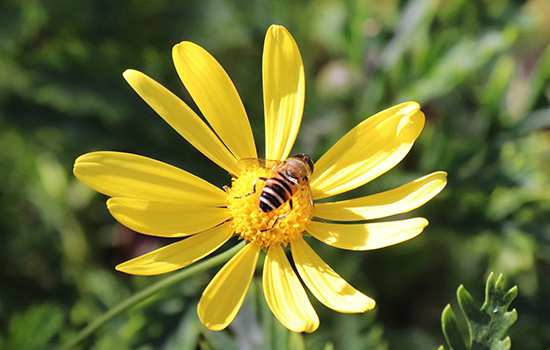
223,297
216,96
366,236
164,219
285,295
180,254
370,149
327,286
118,174
398,200
182,118
284,91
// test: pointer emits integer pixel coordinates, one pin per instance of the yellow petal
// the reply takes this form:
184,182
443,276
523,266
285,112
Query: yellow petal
216,96
223,297
118,174
180,254
164,219
366,236
182,118
370,149
327,286
284,90
398,200
285,295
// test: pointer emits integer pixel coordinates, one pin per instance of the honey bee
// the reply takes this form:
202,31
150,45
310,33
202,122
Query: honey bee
287,178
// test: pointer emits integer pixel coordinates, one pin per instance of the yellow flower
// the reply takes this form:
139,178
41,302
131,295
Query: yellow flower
157,199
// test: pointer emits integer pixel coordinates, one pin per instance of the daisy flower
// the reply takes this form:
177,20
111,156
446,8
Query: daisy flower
154,198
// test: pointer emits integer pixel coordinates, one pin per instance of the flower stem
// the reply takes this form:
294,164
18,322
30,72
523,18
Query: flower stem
150,290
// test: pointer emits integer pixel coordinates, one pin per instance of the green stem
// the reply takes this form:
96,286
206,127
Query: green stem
147,292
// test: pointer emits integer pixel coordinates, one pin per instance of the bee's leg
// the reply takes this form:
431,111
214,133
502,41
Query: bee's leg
275,222
280,217
290,204
249,193
253,188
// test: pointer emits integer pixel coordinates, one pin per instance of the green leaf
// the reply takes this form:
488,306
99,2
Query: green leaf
296,341
492,94
187,334
486,326
415,18
35,327
461,61
218,340
536,120
538,79
451,331
359,332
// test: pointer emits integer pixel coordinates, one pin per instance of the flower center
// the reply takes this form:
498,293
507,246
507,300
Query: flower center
251,223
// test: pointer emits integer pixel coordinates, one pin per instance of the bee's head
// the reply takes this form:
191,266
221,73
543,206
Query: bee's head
306,159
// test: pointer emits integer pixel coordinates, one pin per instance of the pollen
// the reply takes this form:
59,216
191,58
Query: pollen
279,226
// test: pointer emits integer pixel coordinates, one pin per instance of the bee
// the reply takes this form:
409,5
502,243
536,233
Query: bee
287,178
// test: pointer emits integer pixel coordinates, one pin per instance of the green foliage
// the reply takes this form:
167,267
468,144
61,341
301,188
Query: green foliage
34,328
486,327
480,68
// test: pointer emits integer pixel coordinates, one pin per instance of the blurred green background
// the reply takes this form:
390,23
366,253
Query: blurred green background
481,70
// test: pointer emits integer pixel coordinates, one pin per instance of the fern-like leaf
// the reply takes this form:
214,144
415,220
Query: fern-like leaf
486,327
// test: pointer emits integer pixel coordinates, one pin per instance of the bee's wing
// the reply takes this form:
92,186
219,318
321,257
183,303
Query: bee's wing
255,163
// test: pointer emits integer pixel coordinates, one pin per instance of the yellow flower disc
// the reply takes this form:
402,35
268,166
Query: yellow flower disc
279,226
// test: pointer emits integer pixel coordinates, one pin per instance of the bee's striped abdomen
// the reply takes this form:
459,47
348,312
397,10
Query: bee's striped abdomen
277,191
